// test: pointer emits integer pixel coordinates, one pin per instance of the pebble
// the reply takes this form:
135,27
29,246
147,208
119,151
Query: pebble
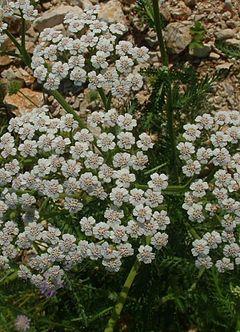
225,34
54,17
178,36
214,56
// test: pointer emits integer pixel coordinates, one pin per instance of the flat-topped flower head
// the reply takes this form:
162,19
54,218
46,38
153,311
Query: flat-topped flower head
210,154
89,52
59,164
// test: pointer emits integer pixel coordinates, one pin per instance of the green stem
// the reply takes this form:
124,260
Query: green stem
122,298
157,21
171,133
170,112
61,100
155,169
194,285
29,99
13,39
23,52
23,30
104,98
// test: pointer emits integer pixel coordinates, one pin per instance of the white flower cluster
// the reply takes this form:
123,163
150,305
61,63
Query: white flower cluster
15,8
212,157
89,52
52,160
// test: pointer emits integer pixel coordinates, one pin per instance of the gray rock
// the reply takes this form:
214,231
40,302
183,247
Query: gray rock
190,3
181,11
81,3
225,34
54,17
233,42
178,36
112,12
200,52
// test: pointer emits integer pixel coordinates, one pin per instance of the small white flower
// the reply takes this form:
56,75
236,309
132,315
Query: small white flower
191,168
199,188
140,54
125,140
145,254
99,60
142,213
159,240
124,64
145,142
186,150
118,196
191,132
195,213
200,248
106,142
78,75
124,178
126,122
158,182
87,225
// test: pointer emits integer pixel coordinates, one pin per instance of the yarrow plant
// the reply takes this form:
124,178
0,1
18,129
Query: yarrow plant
52,160
90,53
211,155
76,193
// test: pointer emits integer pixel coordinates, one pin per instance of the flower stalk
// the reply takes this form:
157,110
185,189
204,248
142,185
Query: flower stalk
122,297
61,100
157,21
169,103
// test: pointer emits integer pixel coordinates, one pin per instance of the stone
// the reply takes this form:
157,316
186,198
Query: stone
200,52
177,36
225,65
231,24
228,5
214,56
54,17
21,103
14,73
5,60
225,34
164,10
181,11
112,12
82,3
190,3
233,42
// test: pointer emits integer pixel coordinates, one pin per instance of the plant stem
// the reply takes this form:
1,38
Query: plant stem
57,95
104,98
171,132
23,52
23,32
29,99
170,112
157,21
194,285
122,298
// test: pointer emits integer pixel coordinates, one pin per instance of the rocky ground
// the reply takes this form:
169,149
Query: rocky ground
221,20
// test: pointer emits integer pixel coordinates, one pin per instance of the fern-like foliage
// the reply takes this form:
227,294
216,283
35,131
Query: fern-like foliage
229,50
144,10
189,98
